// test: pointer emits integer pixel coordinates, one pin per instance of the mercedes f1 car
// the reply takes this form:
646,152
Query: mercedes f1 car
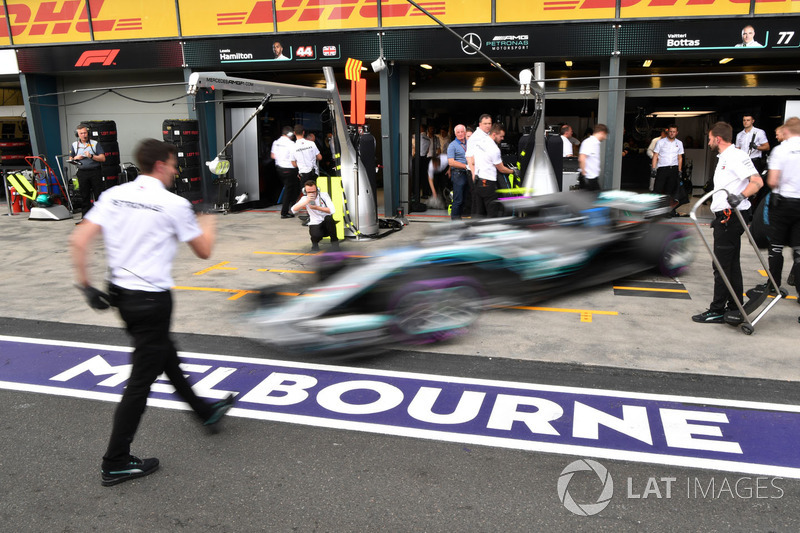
545,246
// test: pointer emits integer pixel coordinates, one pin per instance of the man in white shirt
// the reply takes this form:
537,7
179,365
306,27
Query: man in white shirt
566,139
589,158
749,38
306,155
667,165
736,174
438,171
784,202
320,209
488,162
753,141
142,223
484,127
653,143
283,154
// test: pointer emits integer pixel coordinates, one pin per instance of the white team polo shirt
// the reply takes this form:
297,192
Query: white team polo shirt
322,200
591,147
786,158
743,139
487,155
566,151
142,223
473,141
668,152
283,148
305,153
733,171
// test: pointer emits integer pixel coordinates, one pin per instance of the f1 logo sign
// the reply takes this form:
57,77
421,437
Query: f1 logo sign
104,57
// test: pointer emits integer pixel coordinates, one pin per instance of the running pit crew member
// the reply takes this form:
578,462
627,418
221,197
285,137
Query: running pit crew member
141,223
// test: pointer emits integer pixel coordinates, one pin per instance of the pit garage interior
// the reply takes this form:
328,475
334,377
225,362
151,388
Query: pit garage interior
445,95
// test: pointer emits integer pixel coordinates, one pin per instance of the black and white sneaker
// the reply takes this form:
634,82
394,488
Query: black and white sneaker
710,317
135,468
219,410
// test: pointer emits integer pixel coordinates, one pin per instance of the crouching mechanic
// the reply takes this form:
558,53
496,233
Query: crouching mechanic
142,222
320,210
735,173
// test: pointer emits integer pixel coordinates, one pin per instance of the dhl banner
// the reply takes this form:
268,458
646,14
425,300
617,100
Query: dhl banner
546,10
682,8
254,16
304,15
399,13
43,22
230,17
764,7
68,21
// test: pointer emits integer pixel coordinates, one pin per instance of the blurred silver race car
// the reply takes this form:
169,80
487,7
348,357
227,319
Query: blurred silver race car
546,246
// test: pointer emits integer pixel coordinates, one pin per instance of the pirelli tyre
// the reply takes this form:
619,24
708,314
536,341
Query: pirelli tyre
15,147
102,130
110,181
188,154
111,151
433,310
189,172
109,170
667,248
180,130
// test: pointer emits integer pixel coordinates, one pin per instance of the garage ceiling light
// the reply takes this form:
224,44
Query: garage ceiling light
725,60
678,114
568,63
647,63
426,66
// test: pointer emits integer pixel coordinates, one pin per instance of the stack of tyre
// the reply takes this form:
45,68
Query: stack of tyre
185,135
105,133
14,151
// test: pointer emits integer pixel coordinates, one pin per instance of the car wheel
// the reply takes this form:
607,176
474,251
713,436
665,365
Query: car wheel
669,249
433,310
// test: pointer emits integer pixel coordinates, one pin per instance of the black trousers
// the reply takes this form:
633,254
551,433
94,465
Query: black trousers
727,247
326,228
783,230
291,188
305,176
667,182
90,185
588,184
484,198
147,319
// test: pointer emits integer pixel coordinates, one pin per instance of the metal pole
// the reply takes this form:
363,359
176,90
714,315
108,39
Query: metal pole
478,50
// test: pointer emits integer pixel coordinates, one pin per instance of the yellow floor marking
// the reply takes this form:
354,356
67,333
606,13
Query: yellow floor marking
586,314
654,290
301,253
218,266
762,272
238,293
287,253
289,271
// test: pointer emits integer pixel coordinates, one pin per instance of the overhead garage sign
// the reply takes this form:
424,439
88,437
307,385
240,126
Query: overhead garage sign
708,433
116,56
729,36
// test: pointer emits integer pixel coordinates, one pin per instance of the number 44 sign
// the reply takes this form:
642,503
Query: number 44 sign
305,52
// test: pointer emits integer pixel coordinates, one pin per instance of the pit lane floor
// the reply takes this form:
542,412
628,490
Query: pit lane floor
269,476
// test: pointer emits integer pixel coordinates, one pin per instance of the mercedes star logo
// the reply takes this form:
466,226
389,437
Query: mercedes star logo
475,40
